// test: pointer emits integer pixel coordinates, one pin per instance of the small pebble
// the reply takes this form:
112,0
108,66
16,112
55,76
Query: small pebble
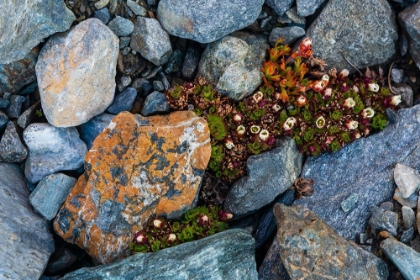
121,26
136,8
126,50
407,235
15,106
349,203
103,15
124,41
397,75
387,206
100,4
408,217
363,238
265,21
158,86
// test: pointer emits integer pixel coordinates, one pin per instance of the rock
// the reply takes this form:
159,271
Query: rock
125,81
387,205
76,73
407,180
384,220
373,160
136,8
349,203
3,120
51,149
138,84
50,194
158,86
61,259
15,75
407,96
403,257
123,101
103,15
91,129
27,24
408,19
137,167
207,21
174,63
15,106
409,202
191,60
26,242
418,215
11,148
121,26
101,4
290,34
226,64
269,175
279,6
226,255
155,103
294,18
4,103
407,235
124,42
272,267
28,116
307,7
397,75
366,37
151,41
310,249
408,217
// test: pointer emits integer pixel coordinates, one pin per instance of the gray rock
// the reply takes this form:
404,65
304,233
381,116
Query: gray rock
366,37
101,4
123,101
28,23
405,259
155,103
11,148
138,84
409,202
350,203
406,92
121,26
15,75
4,103
296,19
418,215
125,81
269,175
151,41
151,72
226,255
226,64
407,180
272,267
290,34
279,6
28,116
397,75
164,80
52,149
3,120
91,129
15,106
76,73
158,86
310,249
408,19
136,8
408,217
64,259
373,160
124,42
387,205
103,15
207,21
26,242
384,220
407,235
191,60
363,238
307,7
174,63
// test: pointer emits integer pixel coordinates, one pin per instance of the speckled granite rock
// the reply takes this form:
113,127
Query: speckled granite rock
11,147
411,25
76,73
137,167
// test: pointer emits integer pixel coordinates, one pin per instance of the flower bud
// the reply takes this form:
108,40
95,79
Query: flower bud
355,89
203,221
258,96
343,74
263,135
289,123
327,93
229,143
301,101
368,113
320,122
241,130
395,100
225,216
238,117
373,87
349,103
140,238
255,129
352,124
157,223
276,107
171,238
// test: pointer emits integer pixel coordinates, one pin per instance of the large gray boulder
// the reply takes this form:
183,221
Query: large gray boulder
207,21
409,19
365,35
24,24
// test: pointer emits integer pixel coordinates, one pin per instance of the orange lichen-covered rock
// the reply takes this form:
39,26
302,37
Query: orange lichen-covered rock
137,167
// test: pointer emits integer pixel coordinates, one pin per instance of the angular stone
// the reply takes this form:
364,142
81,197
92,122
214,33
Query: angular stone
290,34
408,217
137,167
91,129
272,267
407,180
191,60
76,73
408,19
307,7
384,220
121,26
123,101
279,6
349,203
310,249
3,120
364,167
409,202
366,37
151,41
103,15
51,149
28,116
407,235
136,8
226,255
405,259
50,194
62,259
15,106
155,103
26,242
24,24
269,175
207,21
11,148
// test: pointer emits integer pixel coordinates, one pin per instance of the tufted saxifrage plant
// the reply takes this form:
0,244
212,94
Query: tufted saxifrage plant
321,114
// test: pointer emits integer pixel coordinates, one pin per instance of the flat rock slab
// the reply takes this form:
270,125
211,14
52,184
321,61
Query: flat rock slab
136,167
310,249
76,73
26,242
207,21
23,25
364,167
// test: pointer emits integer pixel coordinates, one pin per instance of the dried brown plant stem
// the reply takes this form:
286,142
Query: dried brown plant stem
345,58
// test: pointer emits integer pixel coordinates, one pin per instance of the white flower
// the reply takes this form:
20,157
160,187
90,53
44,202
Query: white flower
276,107
343,74
264,134
241,130
373,87
289,123
301,101
327,92
356,89
395,100
157,223
229,144
349,103
352,124
258,96
368,113
320,122
255,129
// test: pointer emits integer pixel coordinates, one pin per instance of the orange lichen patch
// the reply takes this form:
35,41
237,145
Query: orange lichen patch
137,167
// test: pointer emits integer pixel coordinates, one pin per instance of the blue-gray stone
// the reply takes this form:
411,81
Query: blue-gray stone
405,259
155,103
373,160
174,62
408,19
52,149
28,89
136,8
3,120
308,7
408,217
290,34
50,194
26,242
123,101
29,115
407,235
296,20
269,175
191,60
164,80
207,21
64,258
225,255
4,103
384,220
138,84
121,26
11,148
272,267
103,15
158,86
349,203
15,106
92,128
279,6
124,42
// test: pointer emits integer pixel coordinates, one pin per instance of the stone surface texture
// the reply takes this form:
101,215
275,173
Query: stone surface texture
137,167
279,6
76,73
272,267
289,34
364,167
91,129
384,220
407,180
366,36
26,242
155,103
310,249
24,24
307,7
207,21
11,147
408,18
